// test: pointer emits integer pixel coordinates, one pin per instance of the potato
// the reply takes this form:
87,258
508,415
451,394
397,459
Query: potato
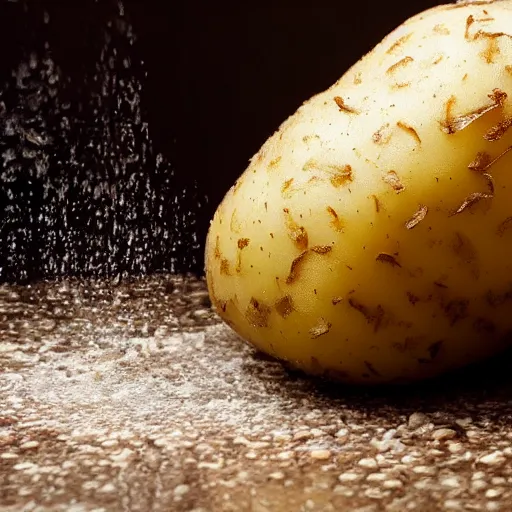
370,238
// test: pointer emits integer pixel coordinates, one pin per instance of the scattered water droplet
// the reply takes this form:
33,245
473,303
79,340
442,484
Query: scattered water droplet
82,190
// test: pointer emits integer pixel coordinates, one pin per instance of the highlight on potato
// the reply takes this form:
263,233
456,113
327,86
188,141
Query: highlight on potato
370,238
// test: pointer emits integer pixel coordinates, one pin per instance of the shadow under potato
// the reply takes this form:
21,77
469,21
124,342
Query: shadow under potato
468,387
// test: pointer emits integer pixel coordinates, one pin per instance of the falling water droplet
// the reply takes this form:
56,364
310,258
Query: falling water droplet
82,190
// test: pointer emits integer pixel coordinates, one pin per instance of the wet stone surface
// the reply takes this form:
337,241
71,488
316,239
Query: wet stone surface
133,396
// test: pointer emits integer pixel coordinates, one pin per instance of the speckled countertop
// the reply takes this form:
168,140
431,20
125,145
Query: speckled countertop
133,396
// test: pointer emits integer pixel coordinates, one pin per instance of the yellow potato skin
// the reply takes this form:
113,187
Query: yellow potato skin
370,238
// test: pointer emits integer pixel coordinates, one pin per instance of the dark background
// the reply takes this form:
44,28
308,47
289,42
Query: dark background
214,83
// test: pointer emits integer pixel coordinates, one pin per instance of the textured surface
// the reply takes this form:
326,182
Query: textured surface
132,396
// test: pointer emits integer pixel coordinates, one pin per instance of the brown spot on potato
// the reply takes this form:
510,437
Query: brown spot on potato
441,29
504,226
437,60
456,310
480,33
408,345
336,300
400,85
452,124
275,162
497,131
400,64
284,306
339,174
216,252
433,351
336,222
413,299
224,267
399,43
491,37
296,263
471,200
257,313
237,185
344,107
342,176
383,135
322,249
435,348
357,79
372,369
243,243
409,130
320,329
376,203
491,51
286,185
469,21
446,125
299,236
498,97
392,179
495,299
483,161
374,317
417,217
440,285
388,258
508,69
490,183
484,325
295,267
296,233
